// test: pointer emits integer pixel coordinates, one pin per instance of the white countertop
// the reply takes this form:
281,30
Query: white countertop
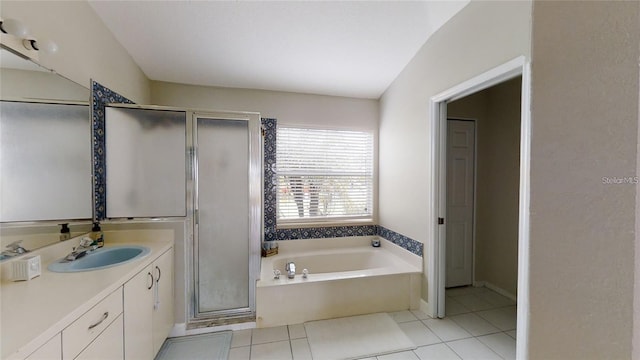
34,311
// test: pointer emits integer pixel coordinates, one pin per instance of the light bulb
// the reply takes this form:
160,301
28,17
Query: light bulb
14,27
47,46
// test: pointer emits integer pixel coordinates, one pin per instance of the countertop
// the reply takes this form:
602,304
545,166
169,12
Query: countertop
34,311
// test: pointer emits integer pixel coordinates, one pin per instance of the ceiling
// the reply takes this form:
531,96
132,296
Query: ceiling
341,48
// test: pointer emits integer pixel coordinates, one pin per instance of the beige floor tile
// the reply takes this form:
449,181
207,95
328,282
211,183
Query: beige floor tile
474,302
501,343
474,324
446,329
403,316
297,331
420,315
241,338
404,355
504,319
300,349
267,335
472,349
436,352
280,350
453,307
419,333
495,299
240,353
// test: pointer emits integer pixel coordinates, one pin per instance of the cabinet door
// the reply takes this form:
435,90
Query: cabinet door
52,350
163,302
107,346
138,312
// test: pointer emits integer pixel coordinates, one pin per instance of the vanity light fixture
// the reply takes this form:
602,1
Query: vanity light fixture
15,36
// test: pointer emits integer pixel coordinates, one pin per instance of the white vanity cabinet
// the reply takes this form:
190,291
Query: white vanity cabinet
110,313
51,350
109,345
148,308
82,332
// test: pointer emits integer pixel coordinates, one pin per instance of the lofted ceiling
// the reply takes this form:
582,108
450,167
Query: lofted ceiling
340,48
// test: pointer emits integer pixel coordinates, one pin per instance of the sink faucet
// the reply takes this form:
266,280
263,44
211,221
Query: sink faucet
14,249
86,245
291,270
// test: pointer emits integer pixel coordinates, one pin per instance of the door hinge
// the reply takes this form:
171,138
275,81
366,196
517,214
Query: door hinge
440,221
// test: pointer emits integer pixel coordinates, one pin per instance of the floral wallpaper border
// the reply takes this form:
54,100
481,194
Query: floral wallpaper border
100,97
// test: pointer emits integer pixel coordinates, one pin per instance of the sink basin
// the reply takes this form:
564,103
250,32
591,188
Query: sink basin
101,259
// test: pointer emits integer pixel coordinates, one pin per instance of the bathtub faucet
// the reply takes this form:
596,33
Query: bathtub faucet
291,270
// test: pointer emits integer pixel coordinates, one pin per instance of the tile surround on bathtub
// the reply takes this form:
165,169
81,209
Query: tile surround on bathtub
271,232
100,96
400,240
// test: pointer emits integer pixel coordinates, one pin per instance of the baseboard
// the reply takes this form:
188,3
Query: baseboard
497,289
181,329
425,308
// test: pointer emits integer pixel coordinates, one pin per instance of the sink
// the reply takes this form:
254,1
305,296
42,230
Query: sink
101,259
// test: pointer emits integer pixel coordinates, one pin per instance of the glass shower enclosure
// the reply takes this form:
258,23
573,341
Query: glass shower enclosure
208,163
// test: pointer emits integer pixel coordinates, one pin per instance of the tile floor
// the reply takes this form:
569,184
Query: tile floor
480,324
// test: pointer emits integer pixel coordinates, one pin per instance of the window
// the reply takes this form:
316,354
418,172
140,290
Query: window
324,175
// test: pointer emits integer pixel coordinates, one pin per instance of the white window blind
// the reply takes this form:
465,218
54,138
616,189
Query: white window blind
324,175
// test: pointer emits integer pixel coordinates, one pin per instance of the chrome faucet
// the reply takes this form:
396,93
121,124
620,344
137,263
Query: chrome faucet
291,270
86,245
14,249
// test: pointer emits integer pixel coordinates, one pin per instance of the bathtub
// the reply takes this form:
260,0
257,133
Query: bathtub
347,276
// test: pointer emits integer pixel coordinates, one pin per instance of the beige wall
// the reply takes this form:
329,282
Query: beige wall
25,84
481,36
288,108
497,111
584,127
87,49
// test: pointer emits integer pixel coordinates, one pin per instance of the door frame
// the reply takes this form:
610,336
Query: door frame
435,260
475,193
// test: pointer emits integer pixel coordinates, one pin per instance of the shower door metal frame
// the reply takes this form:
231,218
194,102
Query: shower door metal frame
195,317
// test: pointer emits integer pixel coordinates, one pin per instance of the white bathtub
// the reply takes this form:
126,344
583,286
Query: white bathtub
347,276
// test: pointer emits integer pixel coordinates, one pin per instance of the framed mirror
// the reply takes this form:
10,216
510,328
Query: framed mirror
45,154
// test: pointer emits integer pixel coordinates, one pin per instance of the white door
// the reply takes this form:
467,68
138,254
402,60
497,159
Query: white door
460,189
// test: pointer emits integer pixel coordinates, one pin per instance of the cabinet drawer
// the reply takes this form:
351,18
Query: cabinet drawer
52,350
108,346
88,326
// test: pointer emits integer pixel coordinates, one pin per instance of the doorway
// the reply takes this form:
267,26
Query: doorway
436,261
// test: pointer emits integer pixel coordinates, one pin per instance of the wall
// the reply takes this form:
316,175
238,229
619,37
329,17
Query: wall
87,49
497,111
584,131
481,36
288,108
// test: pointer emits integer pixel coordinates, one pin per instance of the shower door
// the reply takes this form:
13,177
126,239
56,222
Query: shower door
226,215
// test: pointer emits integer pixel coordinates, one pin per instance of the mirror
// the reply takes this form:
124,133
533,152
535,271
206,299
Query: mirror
45,142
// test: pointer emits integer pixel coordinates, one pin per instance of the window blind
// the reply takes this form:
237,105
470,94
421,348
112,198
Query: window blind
323,174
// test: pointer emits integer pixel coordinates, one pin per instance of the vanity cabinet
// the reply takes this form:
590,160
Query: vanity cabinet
52,350
148,308
82,332
109,345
